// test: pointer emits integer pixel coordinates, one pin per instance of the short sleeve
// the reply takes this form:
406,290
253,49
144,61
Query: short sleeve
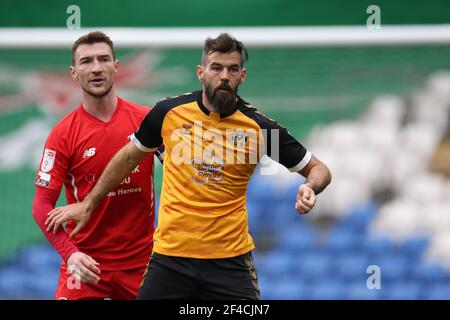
54,163
279,144
148,136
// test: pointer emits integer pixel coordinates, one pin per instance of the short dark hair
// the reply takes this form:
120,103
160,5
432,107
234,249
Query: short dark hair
224,43
91,38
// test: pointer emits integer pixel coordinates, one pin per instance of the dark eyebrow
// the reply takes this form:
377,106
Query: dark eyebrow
214,64
90,57
84,59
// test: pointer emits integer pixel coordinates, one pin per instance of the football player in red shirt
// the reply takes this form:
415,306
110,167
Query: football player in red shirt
108,258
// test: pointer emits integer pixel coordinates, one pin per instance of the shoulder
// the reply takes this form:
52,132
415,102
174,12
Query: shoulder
136,109
161,109
67,122
263,121
169,103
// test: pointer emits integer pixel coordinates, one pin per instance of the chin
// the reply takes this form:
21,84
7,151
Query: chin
99,92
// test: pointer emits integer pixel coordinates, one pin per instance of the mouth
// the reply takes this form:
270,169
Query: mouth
223,89
97,80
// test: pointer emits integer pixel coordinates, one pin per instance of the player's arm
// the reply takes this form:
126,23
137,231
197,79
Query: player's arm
144,141
49,179
318,177
121,165
80,264
43,202
294,156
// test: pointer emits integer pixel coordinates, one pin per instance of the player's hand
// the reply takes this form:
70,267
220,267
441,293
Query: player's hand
306,199
83,267
76,212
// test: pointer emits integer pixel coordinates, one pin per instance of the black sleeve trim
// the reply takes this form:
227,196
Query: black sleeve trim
148,135
286,150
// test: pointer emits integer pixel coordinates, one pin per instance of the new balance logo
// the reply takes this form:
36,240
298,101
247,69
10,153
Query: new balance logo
89,152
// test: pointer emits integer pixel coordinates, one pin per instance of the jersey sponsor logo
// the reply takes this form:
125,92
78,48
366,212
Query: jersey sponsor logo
208,171
48,160
89,152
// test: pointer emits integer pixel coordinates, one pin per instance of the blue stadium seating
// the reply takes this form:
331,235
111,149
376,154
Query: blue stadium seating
327,289
312,265
428,272
415,246
439,292
351,267
403,291
303,263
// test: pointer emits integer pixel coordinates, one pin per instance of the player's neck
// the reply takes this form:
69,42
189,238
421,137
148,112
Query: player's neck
100,107
206,102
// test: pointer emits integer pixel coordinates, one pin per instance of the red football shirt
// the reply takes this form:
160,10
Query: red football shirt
119,234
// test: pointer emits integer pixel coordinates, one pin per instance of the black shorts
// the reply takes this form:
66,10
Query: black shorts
188,278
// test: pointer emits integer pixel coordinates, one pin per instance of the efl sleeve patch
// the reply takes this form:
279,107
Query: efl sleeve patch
48,160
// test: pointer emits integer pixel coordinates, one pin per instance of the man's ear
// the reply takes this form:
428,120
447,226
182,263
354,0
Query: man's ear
116,66
243,75
200,72
73,73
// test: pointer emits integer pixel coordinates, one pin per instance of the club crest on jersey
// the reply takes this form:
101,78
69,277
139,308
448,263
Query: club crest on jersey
89,152
48,160
239,139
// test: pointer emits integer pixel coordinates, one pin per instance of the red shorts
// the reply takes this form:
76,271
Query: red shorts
115,285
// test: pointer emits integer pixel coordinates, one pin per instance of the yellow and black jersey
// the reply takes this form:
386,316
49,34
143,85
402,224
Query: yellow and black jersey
209,159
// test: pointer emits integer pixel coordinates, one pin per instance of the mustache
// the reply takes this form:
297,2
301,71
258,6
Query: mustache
224,87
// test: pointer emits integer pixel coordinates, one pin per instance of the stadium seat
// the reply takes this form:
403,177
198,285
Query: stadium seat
393,267
296,238
260,189
41,285
438,292
358,218
358,290
403,291
415,246
343,239
312,265
282,289
429,272
284,215
351,267
329,289
12,283
275,263
376,246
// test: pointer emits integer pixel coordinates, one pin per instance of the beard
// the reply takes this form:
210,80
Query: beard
222,98
97,94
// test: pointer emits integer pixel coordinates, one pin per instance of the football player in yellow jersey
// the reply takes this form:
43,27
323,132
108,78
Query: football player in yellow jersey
213,141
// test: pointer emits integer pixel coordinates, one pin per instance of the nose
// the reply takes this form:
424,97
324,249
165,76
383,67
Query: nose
225,75
97,68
